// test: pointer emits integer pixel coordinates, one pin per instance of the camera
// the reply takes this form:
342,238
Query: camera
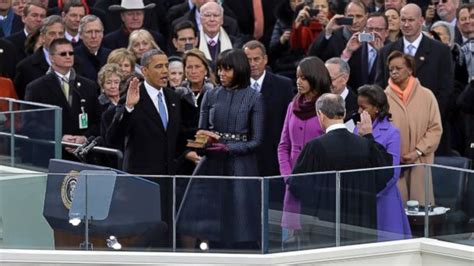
312,11
366,37
344,21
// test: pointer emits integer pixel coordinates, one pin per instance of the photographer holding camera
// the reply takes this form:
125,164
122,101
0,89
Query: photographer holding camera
312,18
362,49
298,24
339,30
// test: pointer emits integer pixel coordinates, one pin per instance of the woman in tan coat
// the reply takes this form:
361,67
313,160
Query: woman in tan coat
415,112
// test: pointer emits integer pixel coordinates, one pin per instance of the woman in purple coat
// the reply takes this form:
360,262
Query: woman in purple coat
301,125
392,222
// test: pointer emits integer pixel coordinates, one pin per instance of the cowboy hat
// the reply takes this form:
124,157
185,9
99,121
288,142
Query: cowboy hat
131,5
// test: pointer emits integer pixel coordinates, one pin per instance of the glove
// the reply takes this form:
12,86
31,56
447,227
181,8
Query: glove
218,148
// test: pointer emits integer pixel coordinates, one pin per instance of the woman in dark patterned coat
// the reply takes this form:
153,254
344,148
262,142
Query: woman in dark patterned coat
226,212
199,79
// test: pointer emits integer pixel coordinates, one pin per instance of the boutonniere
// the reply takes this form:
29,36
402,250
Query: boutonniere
78,84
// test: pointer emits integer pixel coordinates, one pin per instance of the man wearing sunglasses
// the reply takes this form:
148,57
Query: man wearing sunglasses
76,95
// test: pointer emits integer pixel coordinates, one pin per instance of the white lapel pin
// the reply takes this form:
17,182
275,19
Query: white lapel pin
422,58
173,104
78,84
1,51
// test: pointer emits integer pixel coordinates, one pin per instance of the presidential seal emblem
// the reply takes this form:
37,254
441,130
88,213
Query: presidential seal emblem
68,188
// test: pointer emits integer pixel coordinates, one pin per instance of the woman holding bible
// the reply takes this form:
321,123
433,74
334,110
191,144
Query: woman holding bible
225,212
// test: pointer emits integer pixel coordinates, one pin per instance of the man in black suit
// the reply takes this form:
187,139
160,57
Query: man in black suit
155,18
33,15
132,15
277,92
339,150
9,21
433,59
340,72
72,13
332,41
150,122
91,52
461,35
76,95
362,56
184,38
434,66
36,65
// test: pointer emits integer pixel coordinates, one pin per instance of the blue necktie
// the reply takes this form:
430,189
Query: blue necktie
411,49
372,54
256,86
162,110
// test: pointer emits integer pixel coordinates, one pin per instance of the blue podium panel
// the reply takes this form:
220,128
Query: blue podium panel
134,206
93,195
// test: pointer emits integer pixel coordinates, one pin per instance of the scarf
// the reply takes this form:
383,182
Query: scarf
226,43
304,110
403,94
303,37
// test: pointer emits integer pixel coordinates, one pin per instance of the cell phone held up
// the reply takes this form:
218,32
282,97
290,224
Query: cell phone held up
344,21
366,37
311,11
188,46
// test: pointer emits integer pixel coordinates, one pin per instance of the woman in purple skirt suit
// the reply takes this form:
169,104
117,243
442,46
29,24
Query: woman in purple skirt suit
392,222
301,125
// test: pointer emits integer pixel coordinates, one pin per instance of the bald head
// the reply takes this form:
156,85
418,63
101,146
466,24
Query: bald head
413,9
331,105
411,22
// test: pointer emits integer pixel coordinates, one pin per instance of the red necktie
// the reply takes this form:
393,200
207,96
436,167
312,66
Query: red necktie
258,19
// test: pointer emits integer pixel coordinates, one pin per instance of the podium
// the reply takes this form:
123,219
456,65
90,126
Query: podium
132,215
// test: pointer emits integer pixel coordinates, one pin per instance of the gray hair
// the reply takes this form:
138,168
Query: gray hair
331,105
448,28
48,21
343,65
146,58
221,9
89,19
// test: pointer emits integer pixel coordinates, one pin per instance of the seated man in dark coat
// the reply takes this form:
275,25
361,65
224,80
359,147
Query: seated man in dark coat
339,150
132,15
91,51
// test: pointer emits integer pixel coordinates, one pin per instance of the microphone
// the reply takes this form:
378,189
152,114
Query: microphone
97,141
78,150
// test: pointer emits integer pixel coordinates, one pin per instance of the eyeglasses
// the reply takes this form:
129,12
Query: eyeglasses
438,2
209,15
63,54
336,77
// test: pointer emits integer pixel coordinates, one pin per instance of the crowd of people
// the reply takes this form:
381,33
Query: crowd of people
261,79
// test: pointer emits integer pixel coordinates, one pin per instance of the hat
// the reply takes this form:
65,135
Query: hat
131,5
